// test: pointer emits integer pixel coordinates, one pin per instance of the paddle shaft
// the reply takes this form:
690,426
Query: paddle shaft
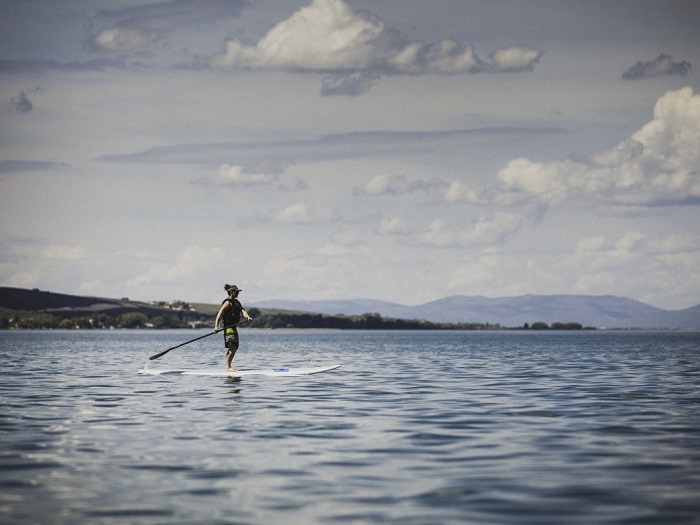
192,341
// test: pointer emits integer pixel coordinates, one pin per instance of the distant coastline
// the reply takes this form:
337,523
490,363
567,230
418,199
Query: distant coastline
23,309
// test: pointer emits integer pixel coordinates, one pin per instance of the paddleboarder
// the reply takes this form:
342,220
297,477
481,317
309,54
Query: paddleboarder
231,310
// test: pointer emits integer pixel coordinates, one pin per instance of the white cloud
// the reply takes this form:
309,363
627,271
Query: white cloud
64,253
330,36
449,57
393,226
657,165
515,59
385,184
458,191
662,266
439,235
591,244
347,243
676,244
295,184
446,58
319,278
392,184
133,28
239,176
119,40
188,266
24,279
596,265
486,231
294,214
303,213
325,35
547,183
235,176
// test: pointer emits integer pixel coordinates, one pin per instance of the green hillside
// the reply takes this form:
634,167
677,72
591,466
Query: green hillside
36,309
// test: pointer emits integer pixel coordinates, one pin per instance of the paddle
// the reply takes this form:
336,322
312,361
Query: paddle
192,341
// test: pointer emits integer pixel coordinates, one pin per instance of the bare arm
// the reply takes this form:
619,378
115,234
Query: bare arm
221,312
245,314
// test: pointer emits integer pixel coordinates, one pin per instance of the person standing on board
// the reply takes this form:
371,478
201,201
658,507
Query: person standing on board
231,310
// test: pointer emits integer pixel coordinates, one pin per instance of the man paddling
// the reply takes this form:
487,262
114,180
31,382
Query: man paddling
231,310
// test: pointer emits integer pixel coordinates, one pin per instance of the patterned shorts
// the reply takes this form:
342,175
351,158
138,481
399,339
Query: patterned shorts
231,337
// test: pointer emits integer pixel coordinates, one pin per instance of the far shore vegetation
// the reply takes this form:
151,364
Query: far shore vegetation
266,319
22,309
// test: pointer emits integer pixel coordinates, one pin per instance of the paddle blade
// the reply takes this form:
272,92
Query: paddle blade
159,355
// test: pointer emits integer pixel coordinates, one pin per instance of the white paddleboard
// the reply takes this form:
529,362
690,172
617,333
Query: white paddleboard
220,372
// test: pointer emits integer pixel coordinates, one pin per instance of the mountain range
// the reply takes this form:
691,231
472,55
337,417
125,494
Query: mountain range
510,312
594,311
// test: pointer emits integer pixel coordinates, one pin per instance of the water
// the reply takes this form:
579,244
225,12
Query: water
414,428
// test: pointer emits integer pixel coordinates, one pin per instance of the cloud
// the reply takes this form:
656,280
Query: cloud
21,104
347,243
32,263
134,28
485,231
23,279
172,13
662,265
352,85
295,184
356,47
73,268
395,185
16,166
188,266
40,66
328,147
303,213
118,40
327,35
446,58
65,253
457,191
393,226
237,176
449,57
659,165
514,59
660,66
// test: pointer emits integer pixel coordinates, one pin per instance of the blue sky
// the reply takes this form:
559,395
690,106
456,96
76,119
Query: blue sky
399,150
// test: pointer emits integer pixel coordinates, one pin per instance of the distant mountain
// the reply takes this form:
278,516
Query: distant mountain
598,311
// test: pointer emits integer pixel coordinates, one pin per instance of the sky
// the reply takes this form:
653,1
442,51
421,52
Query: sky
398,150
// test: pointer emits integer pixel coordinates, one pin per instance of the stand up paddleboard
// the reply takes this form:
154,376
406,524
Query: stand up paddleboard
218,372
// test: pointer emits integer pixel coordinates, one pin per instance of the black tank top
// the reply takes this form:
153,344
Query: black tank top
232,315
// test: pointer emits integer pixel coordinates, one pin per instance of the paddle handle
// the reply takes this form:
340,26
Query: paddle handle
161,354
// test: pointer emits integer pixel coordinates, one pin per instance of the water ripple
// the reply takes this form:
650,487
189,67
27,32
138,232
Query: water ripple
415,428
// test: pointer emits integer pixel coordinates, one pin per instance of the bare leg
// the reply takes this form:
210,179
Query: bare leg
229,357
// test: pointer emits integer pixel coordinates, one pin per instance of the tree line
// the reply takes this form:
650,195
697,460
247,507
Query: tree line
26,320
32,320
366,321
262,318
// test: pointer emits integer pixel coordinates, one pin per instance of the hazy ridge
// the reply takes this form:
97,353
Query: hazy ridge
588,310
598,311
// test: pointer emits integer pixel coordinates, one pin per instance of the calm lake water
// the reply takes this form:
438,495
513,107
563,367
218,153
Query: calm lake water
414,428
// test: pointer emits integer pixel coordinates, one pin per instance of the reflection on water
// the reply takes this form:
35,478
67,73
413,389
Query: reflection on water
424,428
